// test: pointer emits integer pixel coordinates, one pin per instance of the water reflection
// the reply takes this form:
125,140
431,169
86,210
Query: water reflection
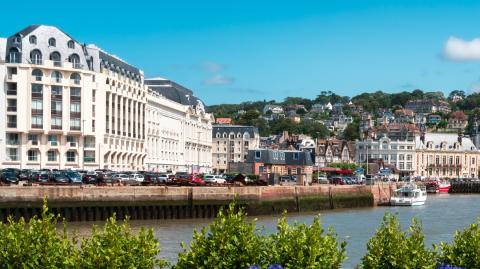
441,216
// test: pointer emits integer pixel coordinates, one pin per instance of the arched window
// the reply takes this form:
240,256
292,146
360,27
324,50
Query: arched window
36,57
33,39
246,135
37,74
57,76
75,60
14,55
217,135
56,58
224,135
17,39
52,42
239,135
71,44
75,77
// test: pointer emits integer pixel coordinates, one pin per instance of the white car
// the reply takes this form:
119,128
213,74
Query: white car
164,178
322,179
135,178
217,179
121,177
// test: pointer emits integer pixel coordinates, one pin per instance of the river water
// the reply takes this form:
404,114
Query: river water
441,216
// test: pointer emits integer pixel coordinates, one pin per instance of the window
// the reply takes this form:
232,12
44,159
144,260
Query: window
37,90
75,60
37,74
12,154
56,91
75,108
51,156
32,155
56,58
409,157
75,77
71,139
14,55
37,105
33,40
17,39
75,124
56,107
71,44
74,91
11,121
37,121
53,139
36,57
33,138
401,157
71,156
52,42
258,155
12,105
12,139
57,76
56,123
296,155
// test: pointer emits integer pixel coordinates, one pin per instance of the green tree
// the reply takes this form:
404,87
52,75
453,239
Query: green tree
305,246
391,248
229,242
465,249
352,132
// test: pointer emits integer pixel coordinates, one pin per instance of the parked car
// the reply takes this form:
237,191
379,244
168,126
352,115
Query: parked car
214,179
135,178
9,177
337,181
73,177
150,178
285,180
322,179
59,177
121,177
196,180
24,174
164,178
90,177
43,176
34,176
182,178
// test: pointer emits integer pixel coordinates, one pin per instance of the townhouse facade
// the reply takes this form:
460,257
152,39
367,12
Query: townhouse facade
71,105
230,144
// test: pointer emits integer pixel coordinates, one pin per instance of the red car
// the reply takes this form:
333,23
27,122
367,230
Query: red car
337,181
196,180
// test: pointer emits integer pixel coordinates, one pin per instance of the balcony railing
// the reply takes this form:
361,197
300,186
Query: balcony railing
38,78
11,92
53,143
56,127
90,145
72,144
75,98
75,81
37,111
37,94
57,63
75,114
36,61
56,112
37,126
11,124
74,128
57,96
13,142
57,80
87,159
11,108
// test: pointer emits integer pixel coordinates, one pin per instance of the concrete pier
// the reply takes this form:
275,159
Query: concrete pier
89,203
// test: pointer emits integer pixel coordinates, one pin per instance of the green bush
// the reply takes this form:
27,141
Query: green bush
39,244
36,244
303,246
392,248
229,242
118,247
465,249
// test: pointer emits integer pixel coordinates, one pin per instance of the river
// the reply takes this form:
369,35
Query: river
441,216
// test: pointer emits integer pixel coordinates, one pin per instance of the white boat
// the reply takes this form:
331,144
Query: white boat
409,195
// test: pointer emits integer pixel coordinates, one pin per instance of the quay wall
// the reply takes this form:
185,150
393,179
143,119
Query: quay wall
465,187
89,203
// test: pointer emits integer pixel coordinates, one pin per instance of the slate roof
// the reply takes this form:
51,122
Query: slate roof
117,62
281,157
235,129
172,91
451,139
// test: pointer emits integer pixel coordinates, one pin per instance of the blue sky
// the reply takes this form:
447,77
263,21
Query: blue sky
232,51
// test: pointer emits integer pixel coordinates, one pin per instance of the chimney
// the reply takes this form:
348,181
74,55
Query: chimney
459,138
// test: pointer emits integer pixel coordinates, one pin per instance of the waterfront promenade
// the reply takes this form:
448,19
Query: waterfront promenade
89,203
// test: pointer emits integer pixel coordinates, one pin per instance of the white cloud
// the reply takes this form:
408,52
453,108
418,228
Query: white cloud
219,79
457,49
211,67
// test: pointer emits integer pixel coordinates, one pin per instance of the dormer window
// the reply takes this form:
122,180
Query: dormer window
17,39
52,42
33,40
71,44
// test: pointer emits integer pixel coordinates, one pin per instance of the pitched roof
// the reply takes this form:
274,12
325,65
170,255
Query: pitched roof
172,91
234,129
449,138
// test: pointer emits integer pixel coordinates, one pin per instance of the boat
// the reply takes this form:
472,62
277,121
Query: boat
431,186
444,186
409,195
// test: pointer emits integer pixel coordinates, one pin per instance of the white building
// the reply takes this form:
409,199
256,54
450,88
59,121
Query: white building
231,144
70,105
400,153
179,132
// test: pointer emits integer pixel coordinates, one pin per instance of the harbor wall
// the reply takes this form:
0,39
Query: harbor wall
89,203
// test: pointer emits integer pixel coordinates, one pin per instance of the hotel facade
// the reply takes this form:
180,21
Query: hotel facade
70,105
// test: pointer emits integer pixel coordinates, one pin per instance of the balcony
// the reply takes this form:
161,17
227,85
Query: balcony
88,159
57,63
37,94
56,112
38,78
89,145
11,142
75,98
11,108
11,77
72,144
56,127
75,81
57,80
36,61
37,126
75,128
75,114
11,125
37,111
12,92
57,96
54,143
